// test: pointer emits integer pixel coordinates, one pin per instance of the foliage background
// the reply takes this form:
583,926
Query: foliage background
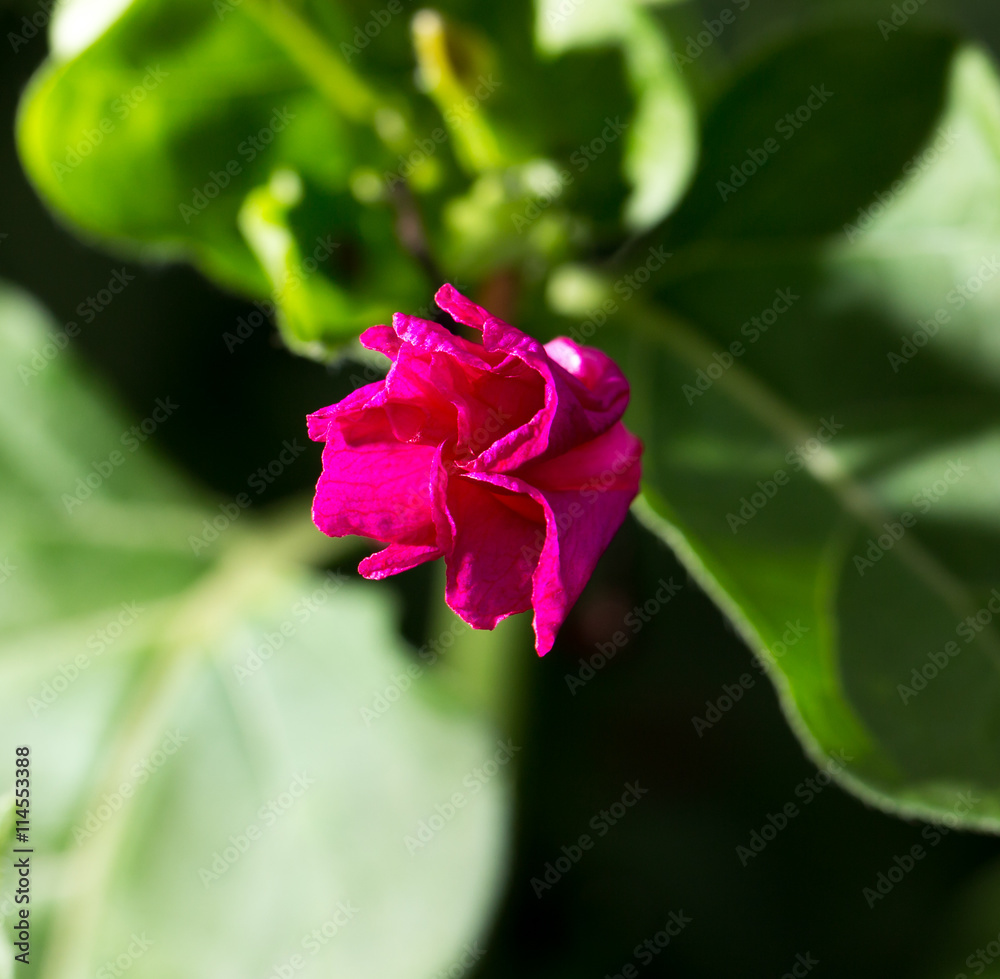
633,721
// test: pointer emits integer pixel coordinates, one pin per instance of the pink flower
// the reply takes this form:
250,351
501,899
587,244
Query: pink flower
507,458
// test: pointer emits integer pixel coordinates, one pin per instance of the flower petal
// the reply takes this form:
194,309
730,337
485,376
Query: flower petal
374,486
611,461
488,575
319,422
583,510
397,558
585,392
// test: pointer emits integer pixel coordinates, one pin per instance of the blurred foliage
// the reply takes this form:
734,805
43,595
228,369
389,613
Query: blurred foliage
209,664
782,220
883,263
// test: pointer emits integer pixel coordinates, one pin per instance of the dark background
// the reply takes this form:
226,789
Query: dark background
675,850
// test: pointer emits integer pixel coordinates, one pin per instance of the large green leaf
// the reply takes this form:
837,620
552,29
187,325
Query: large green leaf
153,137
229,752
832,478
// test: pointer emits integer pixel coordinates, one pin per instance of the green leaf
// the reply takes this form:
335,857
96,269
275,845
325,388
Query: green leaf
827,470
79,489
661,146
154,136
267,755
231,752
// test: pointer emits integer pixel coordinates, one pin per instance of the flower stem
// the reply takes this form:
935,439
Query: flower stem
346,91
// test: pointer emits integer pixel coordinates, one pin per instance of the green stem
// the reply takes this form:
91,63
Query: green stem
346,91
476,144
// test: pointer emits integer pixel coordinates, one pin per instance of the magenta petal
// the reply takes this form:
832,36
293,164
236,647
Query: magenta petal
609,462
318,423
585,393
382,339
506,457
397,558
585,499
460,309
426,337
594,369
489,570
381,489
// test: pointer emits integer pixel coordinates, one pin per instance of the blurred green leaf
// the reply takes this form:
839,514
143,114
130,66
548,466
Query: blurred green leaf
224,739
661,147
967,936
824,460
154,136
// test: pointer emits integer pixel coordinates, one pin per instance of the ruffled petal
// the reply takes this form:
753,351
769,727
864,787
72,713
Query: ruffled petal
611,461
585,393
508,458
397,558
380,488
319,422
460,309
443,387
595,371
428,337
382,339
496,546
583,510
